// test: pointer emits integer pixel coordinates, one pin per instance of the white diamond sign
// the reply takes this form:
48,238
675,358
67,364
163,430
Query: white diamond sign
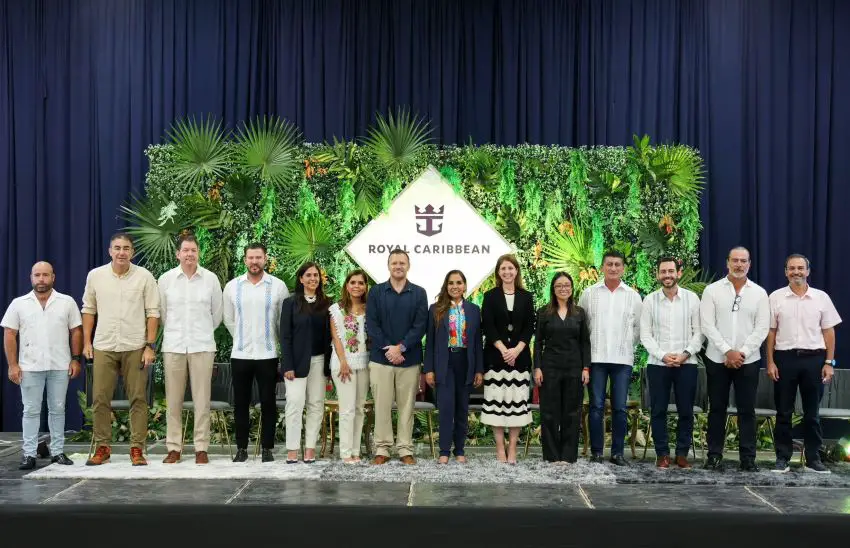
438,229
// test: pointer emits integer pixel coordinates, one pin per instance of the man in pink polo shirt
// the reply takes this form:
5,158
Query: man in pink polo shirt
800,352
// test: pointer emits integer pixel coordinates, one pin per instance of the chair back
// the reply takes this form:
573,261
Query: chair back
700,400
222,383
838,391
764,394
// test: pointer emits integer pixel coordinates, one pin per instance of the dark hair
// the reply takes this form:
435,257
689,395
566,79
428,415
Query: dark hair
256,245
345,298
444,300
552,307
122,236
614,254
797,256
668,259
742,248
187,236
511,259
322,302
398,251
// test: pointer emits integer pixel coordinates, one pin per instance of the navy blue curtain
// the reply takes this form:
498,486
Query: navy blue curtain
758,86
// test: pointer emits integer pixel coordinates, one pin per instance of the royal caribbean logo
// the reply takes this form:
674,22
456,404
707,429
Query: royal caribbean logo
431,218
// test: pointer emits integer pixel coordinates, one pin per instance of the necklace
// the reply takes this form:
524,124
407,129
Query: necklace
310,299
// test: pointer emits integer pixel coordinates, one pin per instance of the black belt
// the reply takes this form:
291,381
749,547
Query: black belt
456,349
805,351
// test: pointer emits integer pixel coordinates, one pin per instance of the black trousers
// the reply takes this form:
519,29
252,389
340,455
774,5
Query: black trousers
798,369
244,373
746,381
561,397
453,405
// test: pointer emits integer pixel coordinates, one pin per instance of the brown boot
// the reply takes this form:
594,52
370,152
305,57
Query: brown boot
101,456
173,457
201,458
408,459
136,457
663,462
381,459
682,462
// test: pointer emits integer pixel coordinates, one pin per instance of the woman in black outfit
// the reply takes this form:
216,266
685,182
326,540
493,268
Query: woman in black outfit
305,341
562,369
507,315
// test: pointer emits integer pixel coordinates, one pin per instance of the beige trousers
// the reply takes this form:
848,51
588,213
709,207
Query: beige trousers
199,367
352,410
393,384
309,391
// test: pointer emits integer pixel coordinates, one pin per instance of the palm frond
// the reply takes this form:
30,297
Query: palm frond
241,188
200,151
367,196
398,140
680,168
154,226
482,167
219,258
266,149
511,226
304,240
652,241
204,213
571,250
696,280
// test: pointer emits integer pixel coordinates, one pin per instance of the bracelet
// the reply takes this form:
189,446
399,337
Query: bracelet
585,369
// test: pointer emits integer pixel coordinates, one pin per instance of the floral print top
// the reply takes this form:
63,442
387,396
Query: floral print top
457,326
351,330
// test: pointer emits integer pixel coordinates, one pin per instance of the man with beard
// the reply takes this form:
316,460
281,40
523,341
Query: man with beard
670,332
735,318
800,352
44,319
252,304
125,299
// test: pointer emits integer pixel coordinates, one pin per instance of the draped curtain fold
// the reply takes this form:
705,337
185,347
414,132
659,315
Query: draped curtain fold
759,87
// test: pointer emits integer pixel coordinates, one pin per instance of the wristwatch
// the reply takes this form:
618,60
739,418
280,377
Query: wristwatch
151,345
402,347
687,354
829,362
77,358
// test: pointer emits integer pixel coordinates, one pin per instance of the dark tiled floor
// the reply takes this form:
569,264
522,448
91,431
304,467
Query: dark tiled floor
324,492
807,500
148,492
514,495
674,497
17,491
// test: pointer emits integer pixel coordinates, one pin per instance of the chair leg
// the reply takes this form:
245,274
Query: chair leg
646,441
91,446
185,426
222,418
528,434
635,415
333,434
324,434
257,444
431,433
585,425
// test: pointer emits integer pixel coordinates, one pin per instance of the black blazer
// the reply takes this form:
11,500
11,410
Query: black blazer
494,318
296,339
437,344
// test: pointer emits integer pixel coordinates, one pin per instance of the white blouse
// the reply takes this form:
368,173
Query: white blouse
351,330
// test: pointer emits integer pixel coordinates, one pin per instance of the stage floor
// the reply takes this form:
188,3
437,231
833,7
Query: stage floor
481,483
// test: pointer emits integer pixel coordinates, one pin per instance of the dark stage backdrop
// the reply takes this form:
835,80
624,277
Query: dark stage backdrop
759,86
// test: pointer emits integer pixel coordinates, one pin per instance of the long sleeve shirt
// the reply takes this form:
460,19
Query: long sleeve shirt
252,315
730,325
614,321
562,343
394,317
190,310
671,326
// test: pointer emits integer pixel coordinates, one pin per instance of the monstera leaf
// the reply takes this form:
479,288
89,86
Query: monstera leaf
200,152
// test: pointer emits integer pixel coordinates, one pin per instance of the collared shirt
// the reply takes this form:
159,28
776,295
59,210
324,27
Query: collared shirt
43,332
457,326
743,330
252,315
394,317
190,310
614,322
800,320
670,326
122,305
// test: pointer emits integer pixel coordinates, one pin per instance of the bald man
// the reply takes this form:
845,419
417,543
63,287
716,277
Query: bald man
51,343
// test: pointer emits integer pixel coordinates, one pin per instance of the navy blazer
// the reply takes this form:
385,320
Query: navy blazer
437,344
296,339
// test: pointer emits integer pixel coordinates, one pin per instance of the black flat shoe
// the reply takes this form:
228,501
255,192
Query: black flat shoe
714,463
619,460
63,459
27,463
267,455
241,455
291,461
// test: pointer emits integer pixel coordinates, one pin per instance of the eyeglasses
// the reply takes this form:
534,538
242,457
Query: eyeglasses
737,304
559,287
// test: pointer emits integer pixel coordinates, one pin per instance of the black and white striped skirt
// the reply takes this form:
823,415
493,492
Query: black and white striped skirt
506,396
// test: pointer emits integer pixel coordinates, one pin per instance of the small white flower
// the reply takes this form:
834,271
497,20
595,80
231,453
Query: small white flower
167,213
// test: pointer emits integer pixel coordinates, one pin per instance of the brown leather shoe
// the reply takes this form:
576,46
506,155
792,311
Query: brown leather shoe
408,459
682,462
202,458
136,457
381,459
663,462
172,457
101,456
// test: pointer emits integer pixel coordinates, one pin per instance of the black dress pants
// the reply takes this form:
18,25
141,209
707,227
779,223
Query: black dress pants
561,397
798,369
720,380
244,372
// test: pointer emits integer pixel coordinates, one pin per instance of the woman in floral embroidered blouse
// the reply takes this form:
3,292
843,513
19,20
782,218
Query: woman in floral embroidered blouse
349,363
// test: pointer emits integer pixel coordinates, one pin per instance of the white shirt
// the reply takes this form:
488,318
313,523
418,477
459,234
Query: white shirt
190,310
670,326
351,331
743,330
252,315
44,332
800,320
614,322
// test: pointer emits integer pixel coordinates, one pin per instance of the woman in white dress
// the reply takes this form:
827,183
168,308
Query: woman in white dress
349,363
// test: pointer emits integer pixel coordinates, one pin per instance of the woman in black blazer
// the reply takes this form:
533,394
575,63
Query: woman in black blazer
507,315
561,369
305,341
453,361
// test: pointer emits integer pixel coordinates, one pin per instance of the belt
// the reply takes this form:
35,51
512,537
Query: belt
805,351
456,349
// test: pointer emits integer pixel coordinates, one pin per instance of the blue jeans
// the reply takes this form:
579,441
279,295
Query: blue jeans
621,376
683,381
32,393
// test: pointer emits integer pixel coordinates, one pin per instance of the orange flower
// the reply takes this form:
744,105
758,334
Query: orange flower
272,265
538,250
666,224
324,277
214,194
308,169
566,227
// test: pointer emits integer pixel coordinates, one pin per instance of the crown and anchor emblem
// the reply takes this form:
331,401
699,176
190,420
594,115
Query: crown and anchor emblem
432,218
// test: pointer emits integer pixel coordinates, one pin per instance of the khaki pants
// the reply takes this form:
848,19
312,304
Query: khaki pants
393,384
199,366
107,366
